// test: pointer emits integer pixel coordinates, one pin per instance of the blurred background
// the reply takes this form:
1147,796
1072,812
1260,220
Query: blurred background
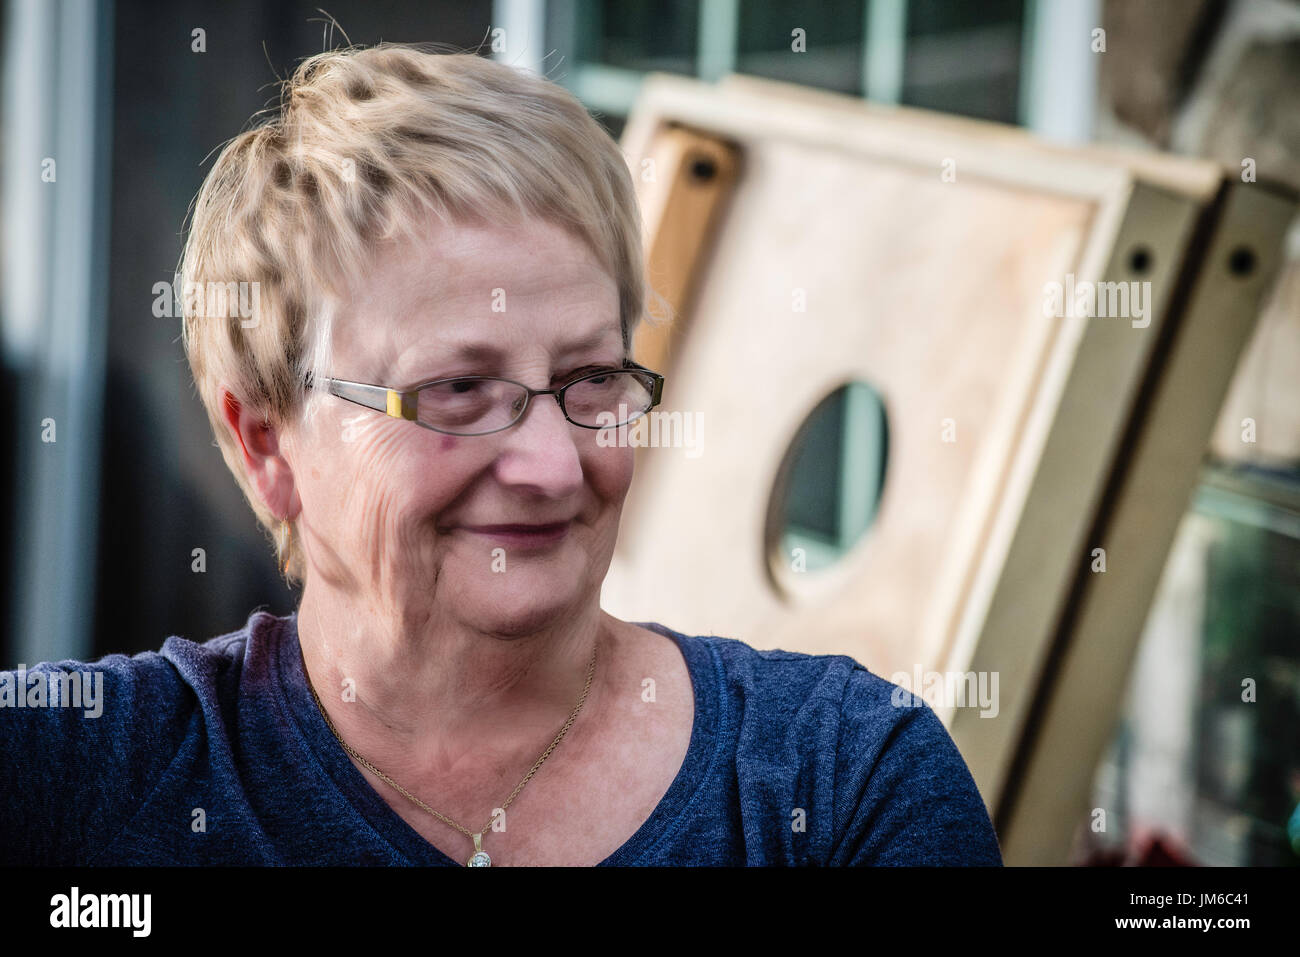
112,478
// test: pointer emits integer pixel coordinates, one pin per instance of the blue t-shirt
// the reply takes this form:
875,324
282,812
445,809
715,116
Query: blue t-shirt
215,753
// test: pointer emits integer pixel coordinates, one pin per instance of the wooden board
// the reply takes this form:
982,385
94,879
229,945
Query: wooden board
920,247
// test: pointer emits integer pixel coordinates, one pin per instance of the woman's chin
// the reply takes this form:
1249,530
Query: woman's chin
515,610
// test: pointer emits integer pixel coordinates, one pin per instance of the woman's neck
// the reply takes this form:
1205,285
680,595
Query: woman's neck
424,695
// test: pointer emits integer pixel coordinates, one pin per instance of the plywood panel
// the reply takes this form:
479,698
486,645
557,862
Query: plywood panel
927,288
932,316
1151,489
845,253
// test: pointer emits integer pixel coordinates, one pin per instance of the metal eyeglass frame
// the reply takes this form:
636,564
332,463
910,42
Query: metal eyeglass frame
404,404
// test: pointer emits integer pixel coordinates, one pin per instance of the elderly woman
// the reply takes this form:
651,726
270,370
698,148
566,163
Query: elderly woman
448,266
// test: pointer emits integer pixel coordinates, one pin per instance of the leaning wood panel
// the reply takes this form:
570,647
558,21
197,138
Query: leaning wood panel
1152,484
1033,546
845,253
928,290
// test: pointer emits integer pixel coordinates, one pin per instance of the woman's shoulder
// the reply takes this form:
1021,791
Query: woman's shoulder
793,701
116,693
218,660
105,732
783,680
882,753
840,702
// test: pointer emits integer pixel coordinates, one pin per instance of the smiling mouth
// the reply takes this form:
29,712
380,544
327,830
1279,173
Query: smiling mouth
524,534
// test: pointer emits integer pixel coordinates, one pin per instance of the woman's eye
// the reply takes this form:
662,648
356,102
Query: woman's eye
587,370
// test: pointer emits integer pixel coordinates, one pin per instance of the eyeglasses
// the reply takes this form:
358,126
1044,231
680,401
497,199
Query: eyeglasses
483,404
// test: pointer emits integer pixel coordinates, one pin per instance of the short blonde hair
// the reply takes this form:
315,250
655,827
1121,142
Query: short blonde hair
365,143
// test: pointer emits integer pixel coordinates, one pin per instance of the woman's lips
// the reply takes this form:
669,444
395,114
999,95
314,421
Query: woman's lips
523,535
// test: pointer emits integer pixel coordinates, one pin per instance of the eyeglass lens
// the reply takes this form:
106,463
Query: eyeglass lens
471,405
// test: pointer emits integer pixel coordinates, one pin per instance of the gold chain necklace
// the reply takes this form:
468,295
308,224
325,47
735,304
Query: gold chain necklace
479,858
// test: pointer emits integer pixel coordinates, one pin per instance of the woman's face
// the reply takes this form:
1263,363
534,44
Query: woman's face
393,513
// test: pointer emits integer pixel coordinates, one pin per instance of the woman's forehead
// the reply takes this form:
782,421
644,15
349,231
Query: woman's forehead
430,281
480,293
464,260
417,346
579,314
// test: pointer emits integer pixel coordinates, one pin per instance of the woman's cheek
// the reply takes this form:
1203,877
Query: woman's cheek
614,468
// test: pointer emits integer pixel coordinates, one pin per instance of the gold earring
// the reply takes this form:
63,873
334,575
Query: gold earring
286,539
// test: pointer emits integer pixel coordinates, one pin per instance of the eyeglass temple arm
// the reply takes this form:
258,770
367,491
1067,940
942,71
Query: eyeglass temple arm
400,405
658,380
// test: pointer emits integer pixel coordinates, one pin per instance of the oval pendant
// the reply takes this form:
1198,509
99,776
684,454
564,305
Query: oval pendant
479,858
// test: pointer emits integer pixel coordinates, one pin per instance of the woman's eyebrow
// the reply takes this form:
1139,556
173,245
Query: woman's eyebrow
470,351
474,351
593,339
486,352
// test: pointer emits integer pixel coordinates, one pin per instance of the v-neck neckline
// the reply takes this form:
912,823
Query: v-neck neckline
413,846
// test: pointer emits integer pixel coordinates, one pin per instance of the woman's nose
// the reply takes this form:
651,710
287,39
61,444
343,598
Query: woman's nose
541,449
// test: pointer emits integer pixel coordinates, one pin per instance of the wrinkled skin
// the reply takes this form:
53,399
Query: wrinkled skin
400,597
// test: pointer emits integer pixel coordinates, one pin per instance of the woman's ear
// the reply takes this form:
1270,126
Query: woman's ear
268,471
